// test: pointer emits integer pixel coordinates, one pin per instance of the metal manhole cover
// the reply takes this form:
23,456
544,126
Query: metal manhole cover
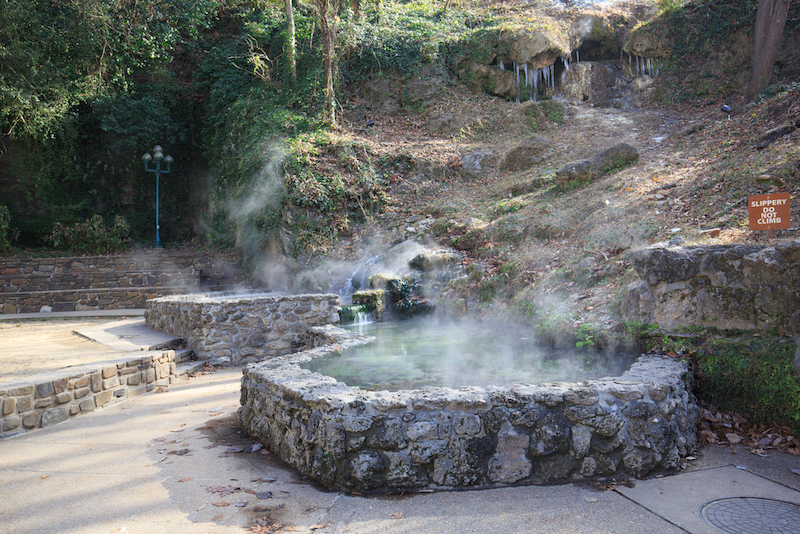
752,515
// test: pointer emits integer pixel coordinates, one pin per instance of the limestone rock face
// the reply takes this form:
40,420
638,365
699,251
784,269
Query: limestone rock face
381,96
531,151
537,49
722,286
587,82
607,161
649,42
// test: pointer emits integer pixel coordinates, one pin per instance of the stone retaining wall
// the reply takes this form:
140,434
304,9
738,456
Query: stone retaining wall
239,329
111,282
350,439
42,401
720,286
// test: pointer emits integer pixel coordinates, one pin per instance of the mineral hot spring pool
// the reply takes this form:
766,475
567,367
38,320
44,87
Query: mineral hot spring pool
421,353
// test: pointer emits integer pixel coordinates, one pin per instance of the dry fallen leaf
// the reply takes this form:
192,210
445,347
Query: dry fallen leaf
319,526
397,515
733,438
221,504
187,479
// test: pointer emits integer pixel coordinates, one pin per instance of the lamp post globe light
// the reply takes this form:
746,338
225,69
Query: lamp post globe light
157,159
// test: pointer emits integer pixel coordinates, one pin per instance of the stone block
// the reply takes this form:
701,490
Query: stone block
44,389
88,405
134,380
103,398
80,393
60,385
31,419
24,404
9,405
20,391
74,409
97,382
110,383
110,371
12,422
119,392
54,415
43,403
63,398
81,382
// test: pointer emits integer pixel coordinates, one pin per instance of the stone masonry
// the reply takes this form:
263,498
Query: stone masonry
45,400
350,439
239,329
722,286
29,285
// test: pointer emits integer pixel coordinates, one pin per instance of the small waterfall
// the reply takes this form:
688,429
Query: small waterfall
363,318
356,280
355,314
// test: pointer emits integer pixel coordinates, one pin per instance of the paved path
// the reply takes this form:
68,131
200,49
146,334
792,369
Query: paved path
175,462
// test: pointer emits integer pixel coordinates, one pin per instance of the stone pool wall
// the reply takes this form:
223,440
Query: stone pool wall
239,329
350,439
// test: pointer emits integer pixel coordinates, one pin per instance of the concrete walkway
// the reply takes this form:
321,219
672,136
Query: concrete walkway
175,462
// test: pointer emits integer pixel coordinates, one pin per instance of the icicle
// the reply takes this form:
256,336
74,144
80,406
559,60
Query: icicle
516,70
502,67
552,70
578,56
566,63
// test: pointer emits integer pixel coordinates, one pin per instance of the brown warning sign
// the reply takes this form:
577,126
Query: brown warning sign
769,212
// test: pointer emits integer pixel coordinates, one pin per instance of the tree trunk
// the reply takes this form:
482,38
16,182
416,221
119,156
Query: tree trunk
770,19
327,10
291,44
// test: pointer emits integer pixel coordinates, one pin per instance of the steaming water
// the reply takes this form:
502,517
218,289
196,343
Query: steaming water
423,353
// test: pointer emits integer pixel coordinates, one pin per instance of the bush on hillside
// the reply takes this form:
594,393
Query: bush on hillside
91,236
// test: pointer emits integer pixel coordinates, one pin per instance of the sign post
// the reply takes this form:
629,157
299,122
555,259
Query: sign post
769,212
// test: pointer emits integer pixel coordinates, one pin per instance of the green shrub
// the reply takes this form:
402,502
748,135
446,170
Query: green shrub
6,234
753,377
91,236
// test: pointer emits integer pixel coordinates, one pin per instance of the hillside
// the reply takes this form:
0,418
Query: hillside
561,254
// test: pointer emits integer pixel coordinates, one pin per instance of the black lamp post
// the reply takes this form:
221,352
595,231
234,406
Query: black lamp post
158,157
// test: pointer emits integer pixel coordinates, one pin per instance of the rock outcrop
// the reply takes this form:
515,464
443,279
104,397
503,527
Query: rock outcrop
721,286
610,160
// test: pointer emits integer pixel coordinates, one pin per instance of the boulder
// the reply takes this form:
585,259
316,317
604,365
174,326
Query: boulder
531,151
476,162
606,162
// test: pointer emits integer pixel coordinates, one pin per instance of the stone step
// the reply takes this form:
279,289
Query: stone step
51,398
